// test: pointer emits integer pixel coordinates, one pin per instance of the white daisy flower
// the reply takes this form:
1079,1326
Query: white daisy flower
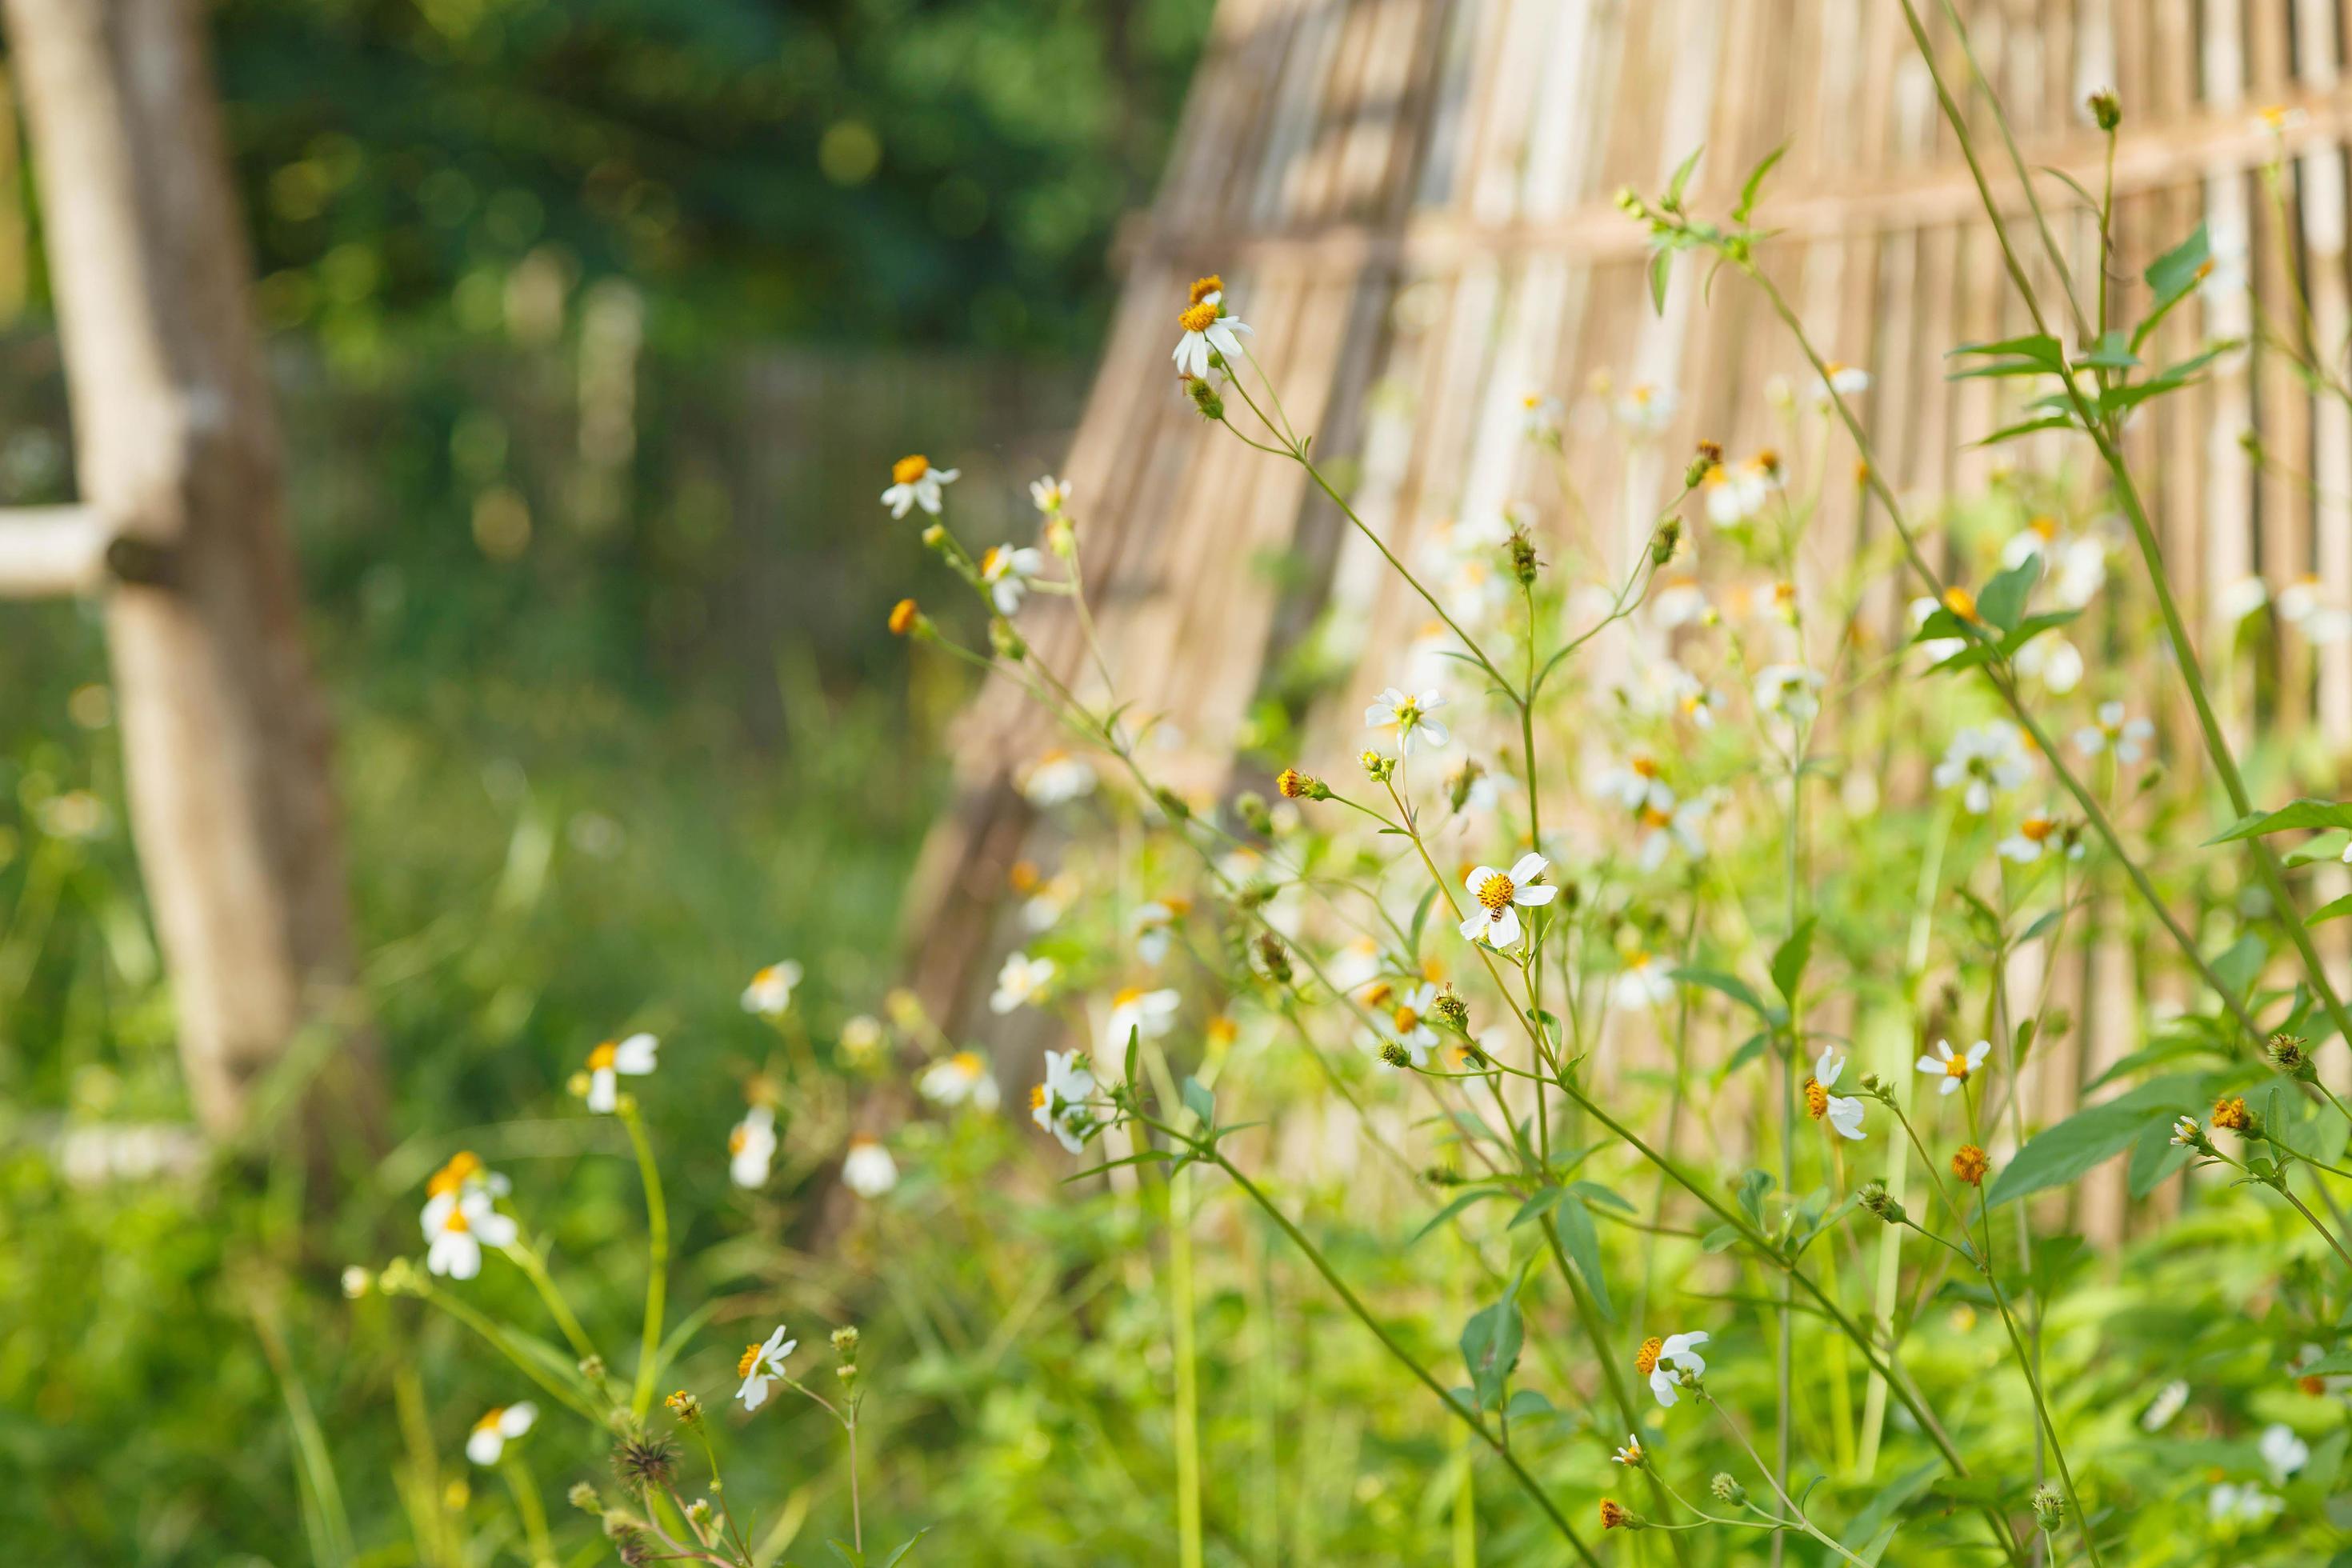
1982,760
2241,599
633,1056
1646,408
1643,982
915,483
1634,785
1063,1104
1842,1112
1675,826
1954,1069
1409,1018
1935,650
2167,1401
457,1224
1845,380
1538,414
1630,1455
2283,1452
1008,573
1049,900
1133,1010
1790,692
1207,328
1500,896
1354,965
2248,1506
750,1146
1681,602
963,1078
1670,1362
499,1427
1021,980
867,1168
1155,928
769,994
1050,494
1734,495
2128,738
2053,660
2186,1134
762,1365
1409,716
863,1037
2032,840
1057,778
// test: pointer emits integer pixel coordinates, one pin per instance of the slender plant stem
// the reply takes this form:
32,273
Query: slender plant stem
657,1260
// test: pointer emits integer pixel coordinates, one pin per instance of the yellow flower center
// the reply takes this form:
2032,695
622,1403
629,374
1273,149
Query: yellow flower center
750,1359
1644,767
737,1138
1956,1067
1817,1098
602,1056
902,621
1199,318
1407,1020
993,561
1127,998
490,1418
1204,287
966,1062
1645,1361
1652,817
1495,894
907,471
2034,829
2047,527
1715,476
1960,601
456,1223
450,1177
1037,1097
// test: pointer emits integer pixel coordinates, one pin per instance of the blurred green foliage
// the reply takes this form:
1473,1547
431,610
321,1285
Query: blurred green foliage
849,171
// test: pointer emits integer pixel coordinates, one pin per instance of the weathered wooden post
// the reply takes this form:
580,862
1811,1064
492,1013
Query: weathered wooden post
225,734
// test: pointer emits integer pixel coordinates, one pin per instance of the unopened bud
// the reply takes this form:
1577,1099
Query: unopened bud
1274,958
1204,398
1005,640
1377,767
2049,1507
1451,1008
1395,1054
2105,112
357,1282
1662,544
583,1497
845,1341
1523,558
1615,1515
1250,806
2288,1054
1727,1490
1876,1198
1292,785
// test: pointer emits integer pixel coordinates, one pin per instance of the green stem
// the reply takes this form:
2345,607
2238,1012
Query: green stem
657,1260
529,1506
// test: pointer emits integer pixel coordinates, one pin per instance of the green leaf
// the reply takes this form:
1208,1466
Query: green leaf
2111,353
1536,1207
2241,963
1490,1348
2155,1157
1730,985
2304,813
1461,1202
2170,278
849,1555
2029,427
901,1555
1661,267
1867,1534
2002,602
2032,626
1421,921
1576,1234
1527,1405
1754,185
2037,349
2335,1363
1200,1101
1594,1192
1789,958
2088,1138
1680,182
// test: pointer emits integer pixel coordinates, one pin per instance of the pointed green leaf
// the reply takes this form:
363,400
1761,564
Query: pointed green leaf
1577,1235
1789,958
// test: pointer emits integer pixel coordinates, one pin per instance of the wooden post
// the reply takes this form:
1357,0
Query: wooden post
224,735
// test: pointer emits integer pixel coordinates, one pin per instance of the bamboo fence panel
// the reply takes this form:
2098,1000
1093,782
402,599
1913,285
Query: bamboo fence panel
1412,201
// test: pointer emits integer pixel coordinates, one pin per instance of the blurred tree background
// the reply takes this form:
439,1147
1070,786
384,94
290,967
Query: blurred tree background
596,325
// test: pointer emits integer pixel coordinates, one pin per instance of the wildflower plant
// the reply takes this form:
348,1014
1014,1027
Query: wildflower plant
1620,1012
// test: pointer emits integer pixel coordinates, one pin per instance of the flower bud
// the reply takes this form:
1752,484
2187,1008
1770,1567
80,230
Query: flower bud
1274,958
1727,1490
1663,542
1523,558
2049,1507
1204,398
1292,785
2230,1111
2107,113
684,1406
906,616
1250,806
845,1341
1005,640
1450,1007
583,1497
1970,1163
1377,767
1614,1515
1395,1054
1876,1198
698,1513
2290,1056
357,1282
